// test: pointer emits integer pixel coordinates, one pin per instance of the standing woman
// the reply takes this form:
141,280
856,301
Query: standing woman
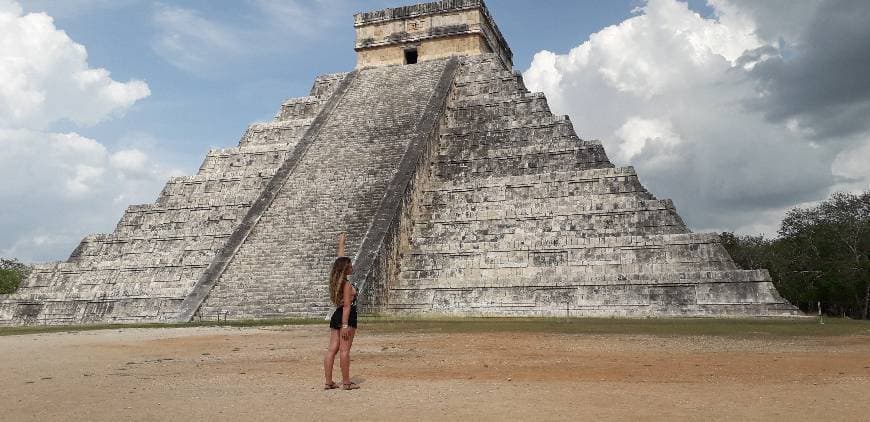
342,325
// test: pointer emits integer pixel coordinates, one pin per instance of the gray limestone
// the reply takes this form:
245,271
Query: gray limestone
461,194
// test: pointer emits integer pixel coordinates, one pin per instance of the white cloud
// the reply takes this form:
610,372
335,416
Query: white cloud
851,167
637,132
189,41
46,77
198,44
58,187
62,186
677,95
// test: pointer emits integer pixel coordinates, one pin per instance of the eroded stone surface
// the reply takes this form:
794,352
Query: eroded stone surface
461,194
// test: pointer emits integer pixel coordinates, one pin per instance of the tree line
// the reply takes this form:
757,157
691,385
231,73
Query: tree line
820,259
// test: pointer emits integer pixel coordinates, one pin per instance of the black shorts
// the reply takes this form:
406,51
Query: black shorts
335,322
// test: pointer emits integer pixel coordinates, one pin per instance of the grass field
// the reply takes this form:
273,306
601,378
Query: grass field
648,326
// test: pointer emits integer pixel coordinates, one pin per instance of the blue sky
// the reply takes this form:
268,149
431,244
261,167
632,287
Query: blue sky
738,110
191,110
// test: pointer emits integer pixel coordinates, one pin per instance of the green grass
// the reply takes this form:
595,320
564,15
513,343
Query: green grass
657,326
38,329
649,326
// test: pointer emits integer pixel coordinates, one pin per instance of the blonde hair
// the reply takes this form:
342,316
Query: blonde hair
337,279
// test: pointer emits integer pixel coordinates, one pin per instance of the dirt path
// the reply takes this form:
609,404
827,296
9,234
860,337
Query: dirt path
274,373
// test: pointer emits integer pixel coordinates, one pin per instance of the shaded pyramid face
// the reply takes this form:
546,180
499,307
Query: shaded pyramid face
461,193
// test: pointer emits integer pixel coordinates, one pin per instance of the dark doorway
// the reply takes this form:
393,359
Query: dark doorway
411,56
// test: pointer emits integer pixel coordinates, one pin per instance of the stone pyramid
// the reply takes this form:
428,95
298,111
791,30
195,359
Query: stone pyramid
461,193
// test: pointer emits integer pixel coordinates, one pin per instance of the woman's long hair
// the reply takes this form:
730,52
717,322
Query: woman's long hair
337,277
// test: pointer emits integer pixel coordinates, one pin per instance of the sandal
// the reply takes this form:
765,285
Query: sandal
350,386
330,386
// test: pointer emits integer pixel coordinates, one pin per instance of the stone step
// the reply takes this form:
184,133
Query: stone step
468,202
517,102
245,192
556,127
631,223
591,181
79,291
523,201
156,216
246,159
583,151
278,132
309,106
558,242
190,255
673,294
473,146
505,277
508,123
326,84
92,281
487,80
212,193
169,241
483,62
300,108
65,312
510,138
557,265
522,164
236,175
488,89
573,207
521,113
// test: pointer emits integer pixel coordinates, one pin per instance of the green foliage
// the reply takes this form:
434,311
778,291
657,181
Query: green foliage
9,281
11,274
822,255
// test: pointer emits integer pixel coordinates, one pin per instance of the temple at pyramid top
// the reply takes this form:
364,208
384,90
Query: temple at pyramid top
427,31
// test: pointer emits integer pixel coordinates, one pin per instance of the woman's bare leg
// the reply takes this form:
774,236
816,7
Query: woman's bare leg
329,358
344,356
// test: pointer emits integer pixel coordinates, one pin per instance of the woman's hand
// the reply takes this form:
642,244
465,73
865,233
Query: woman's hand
345,333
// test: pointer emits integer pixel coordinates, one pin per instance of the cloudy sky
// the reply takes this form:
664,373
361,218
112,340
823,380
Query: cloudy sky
736,109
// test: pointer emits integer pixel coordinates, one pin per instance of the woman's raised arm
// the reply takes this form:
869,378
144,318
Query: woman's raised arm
342,237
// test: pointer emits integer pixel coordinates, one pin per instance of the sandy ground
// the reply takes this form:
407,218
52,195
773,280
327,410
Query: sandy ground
275,373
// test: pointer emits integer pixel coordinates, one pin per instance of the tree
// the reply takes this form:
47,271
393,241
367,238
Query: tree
822,255
831,241
11,274
9,281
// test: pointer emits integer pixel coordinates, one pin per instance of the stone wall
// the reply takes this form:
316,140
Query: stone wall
439,48
158,252
520,217
282,267
438,29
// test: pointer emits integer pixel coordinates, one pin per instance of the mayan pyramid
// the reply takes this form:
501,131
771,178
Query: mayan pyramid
461,193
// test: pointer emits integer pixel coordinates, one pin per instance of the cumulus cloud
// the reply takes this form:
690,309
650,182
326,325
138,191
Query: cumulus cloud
733,116
46,77
57,187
